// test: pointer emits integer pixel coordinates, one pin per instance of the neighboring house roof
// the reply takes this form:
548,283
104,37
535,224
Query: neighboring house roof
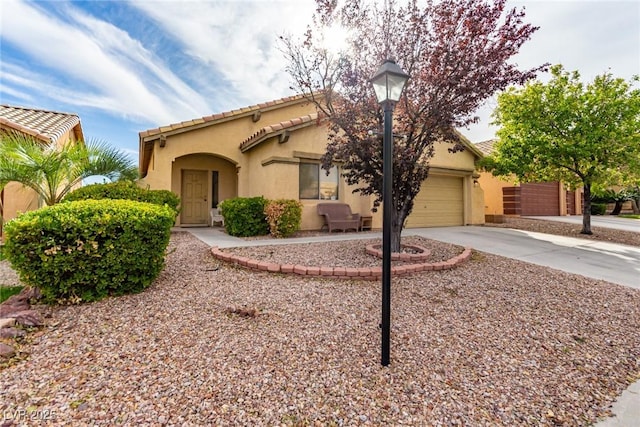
47,126
486,147
282,129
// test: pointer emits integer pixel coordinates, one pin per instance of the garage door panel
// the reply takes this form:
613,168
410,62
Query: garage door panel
540,198
439,203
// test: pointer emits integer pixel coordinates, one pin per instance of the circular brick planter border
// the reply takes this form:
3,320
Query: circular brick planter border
422,254
362,273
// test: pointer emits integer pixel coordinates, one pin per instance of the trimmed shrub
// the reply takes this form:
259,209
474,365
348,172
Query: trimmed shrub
125,190
598,208
244,216
283,216
87,250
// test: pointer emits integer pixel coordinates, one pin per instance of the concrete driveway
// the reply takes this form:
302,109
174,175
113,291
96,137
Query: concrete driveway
605,221
600,260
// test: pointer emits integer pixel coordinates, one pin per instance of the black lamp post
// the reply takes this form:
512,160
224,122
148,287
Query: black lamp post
388,83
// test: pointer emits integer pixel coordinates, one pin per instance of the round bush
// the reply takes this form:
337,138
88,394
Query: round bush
125,190
86,250
244,216
284,217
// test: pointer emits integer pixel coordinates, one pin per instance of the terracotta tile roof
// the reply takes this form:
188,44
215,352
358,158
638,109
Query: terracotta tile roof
278,128
486,147
47,126
215,118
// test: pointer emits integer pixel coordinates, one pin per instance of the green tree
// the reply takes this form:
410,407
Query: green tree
563,130
52,173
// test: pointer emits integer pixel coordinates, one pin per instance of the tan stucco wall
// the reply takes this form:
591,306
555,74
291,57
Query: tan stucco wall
442,158
273,172
477,205
492,187
270,169
18,199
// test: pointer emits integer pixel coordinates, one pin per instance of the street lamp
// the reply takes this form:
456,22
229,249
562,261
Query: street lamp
388,83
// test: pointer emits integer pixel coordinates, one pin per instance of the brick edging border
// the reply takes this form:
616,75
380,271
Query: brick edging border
362,273
421,253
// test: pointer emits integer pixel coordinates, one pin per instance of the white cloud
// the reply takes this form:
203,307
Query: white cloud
24,96
101,57
237,39
27,82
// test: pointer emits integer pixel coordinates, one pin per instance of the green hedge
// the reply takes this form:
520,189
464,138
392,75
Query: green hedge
125,190
86,250
284,217
598,208
244,216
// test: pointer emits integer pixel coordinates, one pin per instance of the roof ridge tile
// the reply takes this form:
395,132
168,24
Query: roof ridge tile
222,115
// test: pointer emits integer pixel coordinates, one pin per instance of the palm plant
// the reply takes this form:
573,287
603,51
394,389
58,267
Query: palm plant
51,172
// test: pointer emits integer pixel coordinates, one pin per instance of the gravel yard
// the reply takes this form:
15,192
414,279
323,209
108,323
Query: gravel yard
493,342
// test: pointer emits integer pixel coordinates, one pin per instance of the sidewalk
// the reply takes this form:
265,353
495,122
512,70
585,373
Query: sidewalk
216,237
600,260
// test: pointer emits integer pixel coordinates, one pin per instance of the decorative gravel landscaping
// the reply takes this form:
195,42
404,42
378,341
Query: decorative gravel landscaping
491,342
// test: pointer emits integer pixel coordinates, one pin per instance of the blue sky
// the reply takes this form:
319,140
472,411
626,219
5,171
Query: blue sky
128,66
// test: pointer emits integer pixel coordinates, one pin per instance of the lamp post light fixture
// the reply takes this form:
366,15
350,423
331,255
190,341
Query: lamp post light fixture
388,83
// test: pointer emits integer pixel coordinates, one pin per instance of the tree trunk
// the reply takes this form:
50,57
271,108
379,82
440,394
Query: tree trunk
635,205
617,208
586,212
396,230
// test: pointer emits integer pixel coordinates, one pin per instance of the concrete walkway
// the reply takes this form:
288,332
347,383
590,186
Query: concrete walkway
600,260
216,237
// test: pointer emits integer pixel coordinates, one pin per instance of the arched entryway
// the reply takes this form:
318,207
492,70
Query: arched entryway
202,181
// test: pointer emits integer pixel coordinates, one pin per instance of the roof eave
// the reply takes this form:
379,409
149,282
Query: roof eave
273,134
177,128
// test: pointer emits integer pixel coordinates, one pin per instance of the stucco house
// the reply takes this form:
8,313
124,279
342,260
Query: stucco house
50,127
273,150
502,196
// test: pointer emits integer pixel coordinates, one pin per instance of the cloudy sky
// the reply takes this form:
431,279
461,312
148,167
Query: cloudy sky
128,66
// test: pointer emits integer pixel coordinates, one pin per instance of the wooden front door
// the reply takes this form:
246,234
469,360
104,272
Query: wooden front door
195,208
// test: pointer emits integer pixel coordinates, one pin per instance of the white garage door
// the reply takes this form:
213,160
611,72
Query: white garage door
440,202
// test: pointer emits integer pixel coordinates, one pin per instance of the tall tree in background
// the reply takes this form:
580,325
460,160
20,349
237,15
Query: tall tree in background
563,130
456,53
52,173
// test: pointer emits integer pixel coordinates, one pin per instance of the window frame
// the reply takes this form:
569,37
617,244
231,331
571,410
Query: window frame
321,178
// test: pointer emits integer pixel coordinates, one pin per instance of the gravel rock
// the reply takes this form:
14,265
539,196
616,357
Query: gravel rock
6,351
8,276
493,342
11,332
28,318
